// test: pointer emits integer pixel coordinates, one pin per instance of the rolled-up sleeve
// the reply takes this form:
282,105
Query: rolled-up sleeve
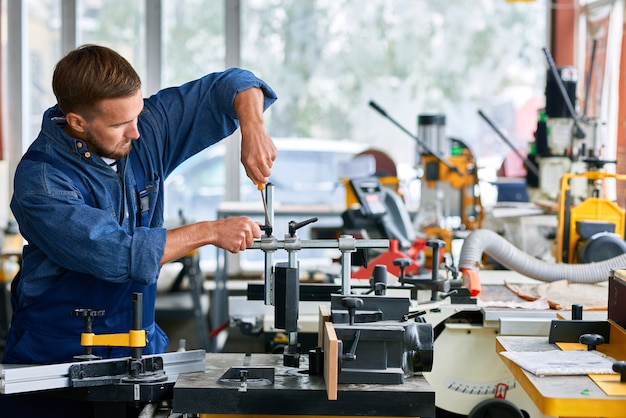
196,115
144,259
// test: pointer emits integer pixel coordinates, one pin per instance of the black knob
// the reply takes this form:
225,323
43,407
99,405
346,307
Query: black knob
403,263
620,367
591,340
87,315
378,282
435,244
87,312
453,270
352,304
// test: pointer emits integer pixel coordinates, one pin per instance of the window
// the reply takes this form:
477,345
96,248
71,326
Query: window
193,39
43,43
117,24
327,59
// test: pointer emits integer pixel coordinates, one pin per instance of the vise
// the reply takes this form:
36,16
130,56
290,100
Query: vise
379,342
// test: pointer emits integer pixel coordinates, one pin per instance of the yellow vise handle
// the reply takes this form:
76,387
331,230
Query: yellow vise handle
134,338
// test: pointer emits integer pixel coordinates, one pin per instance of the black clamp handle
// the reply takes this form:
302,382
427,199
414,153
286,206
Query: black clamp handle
88,315
294,226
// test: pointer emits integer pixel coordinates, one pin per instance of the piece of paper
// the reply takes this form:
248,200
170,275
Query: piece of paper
540,304
561,363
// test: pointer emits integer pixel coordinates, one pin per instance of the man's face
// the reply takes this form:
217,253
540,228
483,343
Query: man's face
113,128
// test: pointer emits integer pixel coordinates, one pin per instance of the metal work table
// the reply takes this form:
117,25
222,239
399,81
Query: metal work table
294,392
562,396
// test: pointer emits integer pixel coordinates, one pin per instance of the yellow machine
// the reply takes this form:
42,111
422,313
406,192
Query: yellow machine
592,229
450,180
352,199
464,180
386,173
453,192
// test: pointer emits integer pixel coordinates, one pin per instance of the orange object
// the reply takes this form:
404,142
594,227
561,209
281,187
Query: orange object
471,280
386,259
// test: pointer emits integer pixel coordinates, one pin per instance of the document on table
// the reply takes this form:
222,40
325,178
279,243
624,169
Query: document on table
561,363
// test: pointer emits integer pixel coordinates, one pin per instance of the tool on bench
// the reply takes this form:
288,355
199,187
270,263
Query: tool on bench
375,338
439,288
268,224
268,239
134,369
282,282
135,338
116,385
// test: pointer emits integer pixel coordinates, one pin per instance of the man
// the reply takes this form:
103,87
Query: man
88,197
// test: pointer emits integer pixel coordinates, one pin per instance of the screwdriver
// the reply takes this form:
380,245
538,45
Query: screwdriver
261,187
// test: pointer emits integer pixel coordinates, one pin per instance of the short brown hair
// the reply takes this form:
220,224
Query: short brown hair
89,74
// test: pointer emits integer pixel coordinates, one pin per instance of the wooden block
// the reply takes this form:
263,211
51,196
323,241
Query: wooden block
324,316
331,363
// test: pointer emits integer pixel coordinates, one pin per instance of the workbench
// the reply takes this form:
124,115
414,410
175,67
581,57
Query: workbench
294,392
592,395
562,396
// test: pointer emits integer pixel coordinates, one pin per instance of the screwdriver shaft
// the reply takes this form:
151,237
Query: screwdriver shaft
261,187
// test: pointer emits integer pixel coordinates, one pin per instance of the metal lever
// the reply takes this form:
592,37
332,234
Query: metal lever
580,134
294,226
529,164
351,355
412,315
421,143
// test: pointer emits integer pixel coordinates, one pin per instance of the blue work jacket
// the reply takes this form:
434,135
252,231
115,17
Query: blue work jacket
95,235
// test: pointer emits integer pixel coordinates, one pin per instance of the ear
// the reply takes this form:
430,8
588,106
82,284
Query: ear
75,122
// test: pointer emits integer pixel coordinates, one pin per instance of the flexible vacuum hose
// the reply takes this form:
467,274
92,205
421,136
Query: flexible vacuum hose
483,240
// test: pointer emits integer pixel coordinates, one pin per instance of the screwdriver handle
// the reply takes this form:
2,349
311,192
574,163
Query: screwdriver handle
260,186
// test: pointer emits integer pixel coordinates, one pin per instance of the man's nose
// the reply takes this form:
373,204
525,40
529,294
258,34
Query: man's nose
133,131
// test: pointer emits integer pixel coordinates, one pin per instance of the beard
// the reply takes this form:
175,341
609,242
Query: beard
122,148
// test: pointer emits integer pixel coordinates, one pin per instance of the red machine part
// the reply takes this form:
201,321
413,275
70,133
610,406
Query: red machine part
393,253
